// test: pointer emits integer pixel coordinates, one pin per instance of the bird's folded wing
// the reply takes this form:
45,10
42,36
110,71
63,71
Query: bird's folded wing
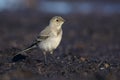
41,38
44,34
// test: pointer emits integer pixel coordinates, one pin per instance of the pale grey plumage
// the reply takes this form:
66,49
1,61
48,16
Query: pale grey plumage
50,37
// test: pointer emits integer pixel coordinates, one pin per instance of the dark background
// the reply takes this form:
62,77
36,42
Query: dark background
92,30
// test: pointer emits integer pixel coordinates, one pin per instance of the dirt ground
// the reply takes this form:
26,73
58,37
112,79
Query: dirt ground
90,48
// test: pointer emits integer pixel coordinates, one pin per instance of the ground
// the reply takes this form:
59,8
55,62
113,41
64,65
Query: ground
90,48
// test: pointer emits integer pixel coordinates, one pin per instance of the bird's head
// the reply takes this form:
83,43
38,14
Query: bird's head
57,21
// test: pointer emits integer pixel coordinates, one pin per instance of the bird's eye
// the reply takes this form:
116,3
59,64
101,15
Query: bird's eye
57,20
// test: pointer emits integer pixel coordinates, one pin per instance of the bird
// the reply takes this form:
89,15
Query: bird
49,38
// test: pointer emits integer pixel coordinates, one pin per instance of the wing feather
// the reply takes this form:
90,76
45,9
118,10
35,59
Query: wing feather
44,34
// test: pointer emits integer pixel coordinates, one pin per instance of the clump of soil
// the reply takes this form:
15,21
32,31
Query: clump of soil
66,66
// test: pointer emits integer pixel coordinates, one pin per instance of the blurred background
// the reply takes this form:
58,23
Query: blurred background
89,24
25,18
92,27
103,7
22,20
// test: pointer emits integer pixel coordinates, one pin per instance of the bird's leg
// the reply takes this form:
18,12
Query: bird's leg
51,52
45,57
53,57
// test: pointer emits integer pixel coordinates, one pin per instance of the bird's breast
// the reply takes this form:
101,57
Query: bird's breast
51,43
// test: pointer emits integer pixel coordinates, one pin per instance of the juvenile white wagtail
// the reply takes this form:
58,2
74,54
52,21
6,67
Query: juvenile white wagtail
49,38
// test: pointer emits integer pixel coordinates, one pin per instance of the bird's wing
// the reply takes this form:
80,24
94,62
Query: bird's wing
41,38
44,34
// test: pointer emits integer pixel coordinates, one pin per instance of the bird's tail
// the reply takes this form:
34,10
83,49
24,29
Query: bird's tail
34,45
21,55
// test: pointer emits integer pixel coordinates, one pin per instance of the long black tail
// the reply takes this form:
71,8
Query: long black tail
32,46
21,55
